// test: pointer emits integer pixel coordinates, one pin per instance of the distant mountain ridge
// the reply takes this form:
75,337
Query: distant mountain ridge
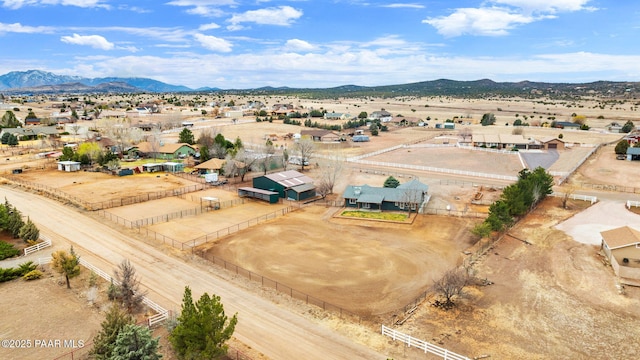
47,82
37,81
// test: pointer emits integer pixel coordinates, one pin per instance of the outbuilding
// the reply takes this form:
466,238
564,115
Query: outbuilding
289,184
69,166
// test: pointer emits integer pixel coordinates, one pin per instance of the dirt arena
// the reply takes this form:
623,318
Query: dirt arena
370,268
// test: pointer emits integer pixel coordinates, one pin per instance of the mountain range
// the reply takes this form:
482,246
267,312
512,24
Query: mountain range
37,81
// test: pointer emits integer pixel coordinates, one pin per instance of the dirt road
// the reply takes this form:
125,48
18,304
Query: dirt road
263,325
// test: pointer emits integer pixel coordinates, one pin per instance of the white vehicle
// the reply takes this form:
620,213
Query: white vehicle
297,160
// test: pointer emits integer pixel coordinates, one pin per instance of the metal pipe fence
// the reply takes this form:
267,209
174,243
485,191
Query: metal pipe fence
280,287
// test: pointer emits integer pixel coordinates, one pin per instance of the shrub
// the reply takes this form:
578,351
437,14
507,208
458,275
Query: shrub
7,250
32,275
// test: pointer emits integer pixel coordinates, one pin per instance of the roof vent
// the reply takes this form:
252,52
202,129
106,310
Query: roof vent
357,190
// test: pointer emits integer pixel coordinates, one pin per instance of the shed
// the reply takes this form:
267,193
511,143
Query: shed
633,153
69,166
173,167
289,184
271,196
152,167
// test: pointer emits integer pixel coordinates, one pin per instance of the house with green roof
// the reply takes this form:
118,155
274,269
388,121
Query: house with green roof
410,196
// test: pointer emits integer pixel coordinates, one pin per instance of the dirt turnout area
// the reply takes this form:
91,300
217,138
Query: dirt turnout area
553,298
370,268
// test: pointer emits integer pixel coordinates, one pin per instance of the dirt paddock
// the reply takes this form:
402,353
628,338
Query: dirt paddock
365,267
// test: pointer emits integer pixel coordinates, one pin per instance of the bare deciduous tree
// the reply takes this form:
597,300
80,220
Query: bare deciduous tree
451,285
329,174
466,134
305,148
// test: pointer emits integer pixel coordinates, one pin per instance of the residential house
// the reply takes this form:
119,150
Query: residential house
320,135
382,115
336,116
163,151
622,247
409,196
567,125
31,133
211,166
504,141
288,184
405,121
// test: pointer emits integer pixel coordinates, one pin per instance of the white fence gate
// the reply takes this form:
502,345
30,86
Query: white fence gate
37,247
421,344
161,315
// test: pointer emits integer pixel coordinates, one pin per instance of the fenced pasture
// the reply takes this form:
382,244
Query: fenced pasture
365,258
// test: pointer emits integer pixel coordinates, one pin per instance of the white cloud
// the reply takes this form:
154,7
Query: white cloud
17,4
547,6
95,41
279,16
208,8
399,5
205,27
497,17
19,28
299,45
473,21
213,43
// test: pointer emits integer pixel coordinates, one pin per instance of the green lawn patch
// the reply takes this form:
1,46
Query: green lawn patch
375,215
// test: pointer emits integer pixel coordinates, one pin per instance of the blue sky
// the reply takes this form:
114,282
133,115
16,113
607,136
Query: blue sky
297,43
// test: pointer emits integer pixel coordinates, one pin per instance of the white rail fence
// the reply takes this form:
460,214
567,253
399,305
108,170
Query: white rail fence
46,242
589,198
422,345
633,203
434,169
161,313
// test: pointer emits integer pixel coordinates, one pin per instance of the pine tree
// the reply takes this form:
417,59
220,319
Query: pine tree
202,328
29,232
186,136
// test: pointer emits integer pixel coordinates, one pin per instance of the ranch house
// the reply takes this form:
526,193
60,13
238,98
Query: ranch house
622,247
288,184
410,196
320,135
166,151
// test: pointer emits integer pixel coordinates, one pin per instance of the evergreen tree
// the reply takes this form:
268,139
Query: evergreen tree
13,140
114,322
621,147
29,232
391,182
135,343
488,119
186,136
14,221
9,120
203,328
5,138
